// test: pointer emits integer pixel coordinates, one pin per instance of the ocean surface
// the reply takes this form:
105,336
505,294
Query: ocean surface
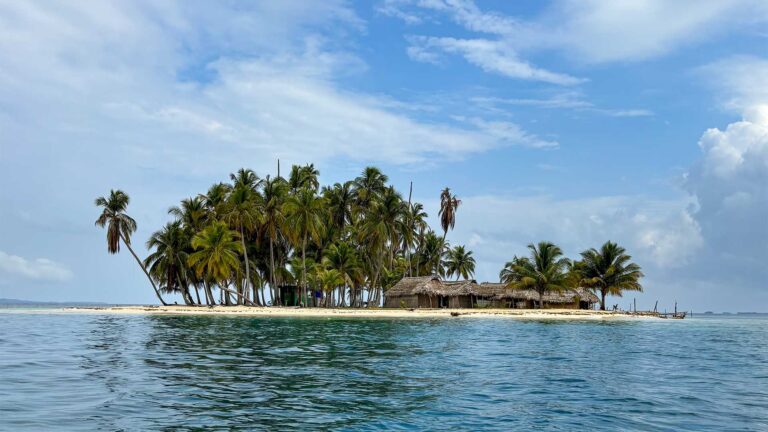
87,372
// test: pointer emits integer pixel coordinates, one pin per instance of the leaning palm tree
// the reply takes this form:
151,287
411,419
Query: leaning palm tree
609,271
304,221
120,227
460,262
216,256
448,206
545,270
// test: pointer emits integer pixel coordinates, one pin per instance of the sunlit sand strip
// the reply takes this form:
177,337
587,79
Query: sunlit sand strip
359,313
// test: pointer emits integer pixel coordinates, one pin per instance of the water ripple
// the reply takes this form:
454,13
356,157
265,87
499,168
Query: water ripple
85,372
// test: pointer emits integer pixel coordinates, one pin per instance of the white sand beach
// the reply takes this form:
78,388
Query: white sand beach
360,313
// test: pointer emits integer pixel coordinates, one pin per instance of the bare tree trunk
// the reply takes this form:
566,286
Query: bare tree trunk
144,269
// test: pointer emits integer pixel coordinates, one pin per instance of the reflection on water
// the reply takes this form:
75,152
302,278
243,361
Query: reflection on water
69,372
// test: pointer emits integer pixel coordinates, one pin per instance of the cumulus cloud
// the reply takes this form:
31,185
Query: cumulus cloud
41,269
660,234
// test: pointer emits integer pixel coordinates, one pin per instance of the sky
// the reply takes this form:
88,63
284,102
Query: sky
572,121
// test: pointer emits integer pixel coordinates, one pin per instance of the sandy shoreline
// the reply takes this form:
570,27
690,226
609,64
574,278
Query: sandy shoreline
354,313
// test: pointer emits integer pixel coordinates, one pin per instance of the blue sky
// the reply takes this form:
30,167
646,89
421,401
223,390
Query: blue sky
570,121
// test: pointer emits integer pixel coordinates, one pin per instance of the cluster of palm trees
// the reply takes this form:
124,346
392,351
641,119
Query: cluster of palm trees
340,245
605,271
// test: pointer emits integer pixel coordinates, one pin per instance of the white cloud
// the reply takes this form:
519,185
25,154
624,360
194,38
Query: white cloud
589,31
602,31
36,269
660,234
573,100
489,55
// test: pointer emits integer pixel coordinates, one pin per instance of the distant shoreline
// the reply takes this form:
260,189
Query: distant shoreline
358,313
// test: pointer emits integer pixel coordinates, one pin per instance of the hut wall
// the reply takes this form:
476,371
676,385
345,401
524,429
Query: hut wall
410,301
463,301
573,305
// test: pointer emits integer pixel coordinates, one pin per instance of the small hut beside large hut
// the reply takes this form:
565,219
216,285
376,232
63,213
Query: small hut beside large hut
433,292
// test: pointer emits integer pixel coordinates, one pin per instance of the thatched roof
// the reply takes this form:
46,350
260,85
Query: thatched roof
408,286
490,290
566,296
434,286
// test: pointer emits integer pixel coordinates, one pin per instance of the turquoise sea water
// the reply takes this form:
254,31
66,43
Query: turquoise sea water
88,372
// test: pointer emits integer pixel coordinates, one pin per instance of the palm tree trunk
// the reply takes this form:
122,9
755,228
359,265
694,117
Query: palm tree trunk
144,269
272,286
247,265
197,294
602,299
304,270
229,291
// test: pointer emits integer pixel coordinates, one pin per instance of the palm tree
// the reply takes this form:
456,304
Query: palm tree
329,280
245,178
274,196
368,186
339,199
191,213
342,257
120,227
432,252
168,264
448,206
609,271
414,226
545,270
241,210
216,256
303,221
460,263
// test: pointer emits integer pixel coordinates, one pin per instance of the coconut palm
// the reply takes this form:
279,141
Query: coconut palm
274,195
304,222
329,280
432,252
342,257
191,213
368,186
246,178
304,177
448,206
545,270
339,199
216,256
609,271
168,263
460,262
414,226
120,227
242,211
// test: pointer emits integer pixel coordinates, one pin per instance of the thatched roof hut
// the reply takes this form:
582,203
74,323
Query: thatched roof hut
411,286
553,297
432,291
